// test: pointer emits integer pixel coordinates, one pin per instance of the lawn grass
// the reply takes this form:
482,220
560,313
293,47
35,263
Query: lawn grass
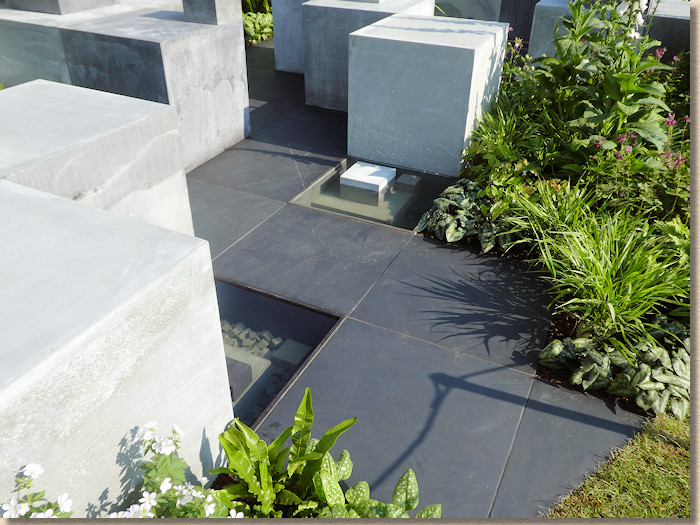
648,478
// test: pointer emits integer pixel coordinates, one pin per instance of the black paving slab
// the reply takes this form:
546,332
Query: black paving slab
563,436
222,215
481,305
448,416
313,257
264,169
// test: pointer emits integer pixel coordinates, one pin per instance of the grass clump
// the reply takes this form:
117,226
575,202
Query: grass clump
648,478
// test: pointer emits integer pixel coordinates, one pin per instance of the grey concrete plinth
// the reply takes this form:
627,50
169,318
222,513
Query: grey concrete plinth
108,323
327,24
289,35
476,9
417,85
109,151
147,53
210,11
545,21
58,7
671,25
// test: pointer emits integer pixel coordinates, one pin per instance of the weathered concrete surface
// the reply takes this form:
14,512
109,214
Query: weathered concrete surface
289,35
58,7
476,9
211,11
327,24
671,25
418,86
109,151
544,23
146,53
107,323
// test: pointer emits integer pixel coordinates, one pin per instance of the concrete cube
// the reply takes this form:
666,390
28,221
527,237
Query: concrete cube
291,353
198,69
327,24
476,9
289,35
210,11
107,323
116,153
545,21
58,7
671,25
417,87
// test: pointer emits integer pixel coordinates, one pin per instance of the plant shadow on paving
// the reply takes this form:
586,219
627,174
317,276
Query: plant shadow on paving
501,302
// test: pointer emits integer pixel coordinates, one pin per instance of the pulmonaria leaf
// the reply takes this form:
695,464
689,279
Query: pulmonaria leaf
622,386
431,511
679,407
358,494
453,233
406,491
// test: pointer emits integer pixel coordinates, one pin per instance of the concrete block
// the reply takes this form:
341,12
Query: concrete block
409,183
289,35
211,11
476,9
58,7
107,323
240,375
327,24
545,21
291,352
199,69
417,87
116,153
671,25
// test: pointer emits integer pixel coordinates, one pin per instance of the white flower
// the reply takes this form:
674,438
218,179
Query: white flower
144,512
204,480
643,4
209,499
120,514
165,486
64,504
622,8
47,514
209,509
634,34
234,514
640,18
32,470
164,446
148,500
177,430
14,509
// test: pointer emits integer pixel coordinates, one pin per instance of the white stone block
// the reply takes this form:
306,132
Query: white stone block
107,323
326,26
545,21
368,176
116,153
417,86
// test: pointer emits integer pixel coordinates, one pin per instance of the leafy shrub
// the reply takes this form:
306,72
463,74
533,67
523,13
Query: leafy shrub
268,481
309,484
257,26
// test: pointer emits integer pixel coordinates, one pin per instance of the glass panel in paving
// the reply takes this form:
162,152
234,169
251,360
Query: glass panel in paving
265,341
401,204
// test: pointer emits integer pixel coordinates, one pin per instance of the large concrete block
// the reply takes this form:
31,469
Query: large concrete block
417,87
545,21
327,24
58,7
671,25
476,9
107,323
30,51
113,152
147,53
210,11
289,35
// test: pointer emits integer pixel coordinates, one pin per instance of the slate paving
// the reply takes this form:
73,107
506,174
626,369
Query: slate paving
436,345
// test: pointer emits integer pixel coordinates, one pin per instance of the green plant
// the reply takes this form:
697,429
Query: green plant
309,484
257,26
34,504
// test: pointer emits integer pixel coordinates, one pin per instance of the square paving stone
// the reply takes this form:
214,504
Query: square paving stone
222,215
312,257
482,305
309,129
563,436
264,169
448,416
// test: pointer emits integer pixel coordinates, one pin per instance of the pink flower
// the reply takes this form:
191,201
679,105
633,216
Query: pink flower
687,118
621,138
671,120
676,59
618,155
660,52
628,149
510,29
